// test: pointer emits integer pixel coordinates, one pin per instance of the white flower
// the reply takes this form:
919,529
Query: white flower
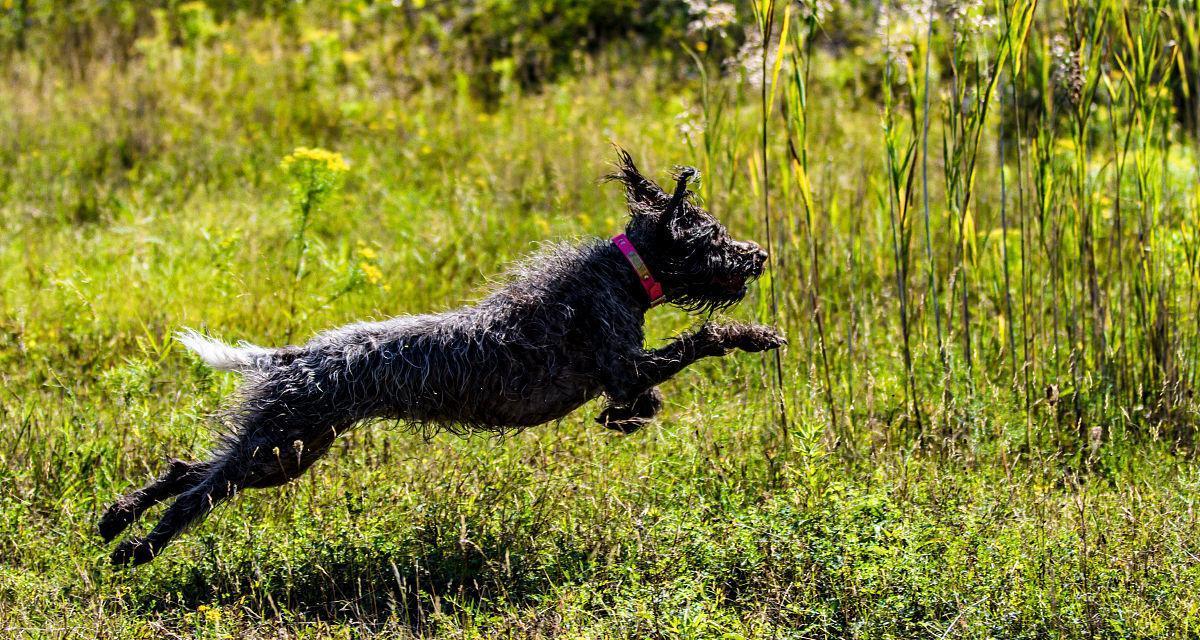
749,58
970,18
900,28
689,125
815,10
713,17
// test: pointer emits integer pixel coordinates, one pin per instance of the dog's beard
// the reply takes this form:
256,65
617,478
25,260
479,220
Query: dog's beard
711,293
703,303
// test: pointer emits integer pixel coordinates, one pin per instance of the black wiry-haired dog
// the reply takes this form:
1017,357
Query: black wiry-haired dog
566,328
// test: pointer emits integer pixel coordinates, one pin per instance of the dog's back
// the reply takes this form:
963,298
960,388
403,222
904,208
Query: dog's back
515,359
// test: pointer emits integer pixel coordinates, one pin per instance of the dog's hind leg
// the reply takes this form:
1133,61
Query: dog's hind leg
634,415
264,459
190,506
178,477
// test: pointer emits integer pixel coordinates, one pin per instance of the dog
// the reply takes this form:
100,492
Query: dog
565,328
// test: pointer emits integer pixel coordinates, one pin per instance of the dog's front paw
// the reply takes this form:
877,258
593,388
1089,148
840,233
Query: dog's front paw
751,338
620,419
622,425
762,338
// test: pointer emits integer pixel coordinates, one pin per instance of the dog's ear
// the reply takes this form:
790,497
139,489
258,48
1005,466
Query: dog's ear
643,196
666,222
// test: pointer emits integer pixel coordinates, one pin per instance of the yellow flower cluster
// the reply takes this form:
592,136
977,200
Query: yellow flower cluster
192,7
371,272
208,614
367,265
330,160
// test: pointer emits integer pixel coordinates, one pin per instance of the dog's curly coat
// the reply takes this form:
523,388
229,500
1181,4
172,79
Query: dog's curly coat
566,328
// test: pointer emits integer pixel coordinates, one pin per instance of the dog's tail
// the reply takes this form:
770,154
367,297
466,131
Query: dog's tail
244,358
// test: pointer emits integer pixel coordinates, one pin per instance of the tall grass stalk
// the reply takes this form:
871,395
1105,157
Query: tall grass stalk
897,200
973,81
1086,26
1019,17
1015,16
765,18
931,267
796,119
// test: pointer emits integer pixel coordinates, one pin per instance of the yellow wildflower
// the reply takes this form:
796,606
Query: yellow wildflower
331,160
211,615
193,7
371,272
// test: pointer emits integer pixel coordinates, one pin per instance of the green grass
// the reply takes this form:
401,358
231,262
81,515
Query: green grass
1021,466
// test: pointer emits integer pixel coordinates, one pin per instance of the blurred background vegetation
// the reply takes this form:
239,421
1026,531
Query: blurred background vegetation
984,220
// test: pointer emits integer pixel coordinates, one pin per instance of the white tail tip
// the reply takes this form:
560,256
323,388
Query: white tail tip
219,355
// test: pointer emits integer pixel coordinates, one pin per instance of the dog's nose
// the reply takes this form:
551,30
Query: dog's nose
758,255
751,249
753,254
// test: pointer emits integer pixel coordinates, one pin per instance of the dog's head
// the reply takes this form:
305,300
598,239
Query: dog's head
700,266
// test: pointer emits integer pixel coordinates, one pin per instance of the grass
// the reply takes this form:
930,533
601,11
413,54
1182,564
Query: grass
983,254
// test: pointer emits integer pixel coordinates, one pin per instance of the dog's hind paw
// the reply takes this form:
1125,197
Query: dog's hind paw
132,552
113,522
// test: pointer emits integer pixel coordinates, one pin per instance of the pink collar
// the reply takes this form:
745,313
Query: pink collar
654,290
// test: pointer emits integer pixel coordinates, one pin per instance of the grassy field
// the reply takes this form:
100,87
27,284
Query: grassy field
985,242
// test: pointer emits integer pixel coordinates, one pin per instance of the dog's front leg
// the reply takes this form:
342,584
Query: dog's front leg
630,417
629,378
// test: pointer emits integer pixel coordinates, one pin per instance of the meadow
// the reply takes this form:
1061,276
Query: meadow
984,226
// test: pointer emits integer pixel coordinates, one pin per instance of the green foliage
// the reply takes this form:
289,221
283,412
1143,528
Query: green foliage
497,43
